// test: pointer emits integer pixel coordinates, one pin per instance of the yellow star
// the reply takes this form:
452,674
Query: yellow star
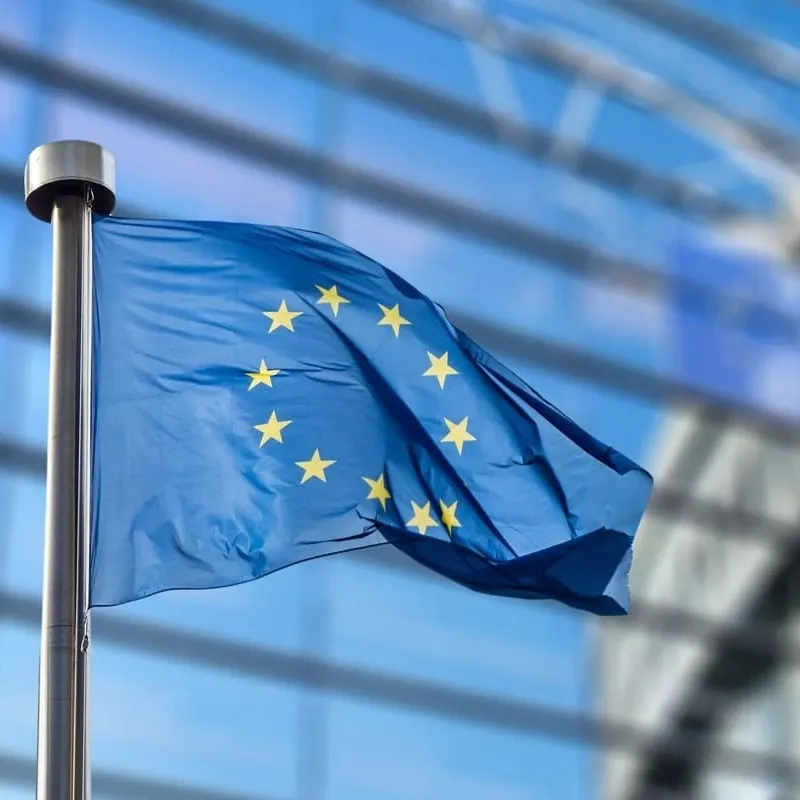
282,318
272,428
448,515
439,368
332,298
422,519
314,468
378,490
392,318
457,433
263,375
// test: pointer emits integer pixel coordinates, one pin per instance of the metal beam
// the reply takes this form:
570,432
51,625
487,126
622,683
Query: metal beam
779,62
732,671
553,250
263,42
437,699
630,84
15,770
18,457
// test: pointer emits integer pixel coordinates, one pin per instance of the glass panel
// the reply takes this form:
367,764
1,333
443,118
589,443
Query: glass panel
385,39
25,255
19,678
22,541
264,612
300,17
416,757
523,293
15,96
189,69
716,785
168,173
12,213
23,401
20,19
760,723
204,727
419,625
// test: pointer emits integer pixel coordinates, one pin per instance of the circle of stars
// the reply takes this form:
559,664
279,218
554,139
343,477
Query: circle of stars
457,433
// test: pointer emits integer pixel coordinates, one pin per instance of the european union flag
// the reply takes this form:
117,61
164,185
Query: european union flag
265,395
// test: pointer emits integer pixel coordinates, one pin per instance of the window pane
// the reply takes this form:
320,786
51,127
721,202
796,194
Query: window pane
204,727
189,69
416,757
168,174
23,401
421,626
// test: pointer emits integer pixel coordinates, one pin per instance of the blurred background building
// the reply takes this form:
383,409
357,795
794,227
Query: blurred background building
603,192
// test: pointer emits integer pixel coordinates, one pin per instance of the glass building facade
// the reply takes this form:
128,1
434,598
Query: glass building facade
529,165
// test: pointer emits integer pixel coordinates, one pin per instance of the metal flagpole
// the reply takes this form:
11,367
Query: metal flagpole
65,182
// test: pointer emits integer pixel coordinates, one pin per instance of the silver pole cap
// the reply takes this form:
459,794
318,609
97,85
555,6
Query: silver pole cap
67,168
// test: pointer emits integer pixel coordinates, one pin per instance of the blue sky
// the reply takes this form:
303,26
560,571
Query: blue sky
198,726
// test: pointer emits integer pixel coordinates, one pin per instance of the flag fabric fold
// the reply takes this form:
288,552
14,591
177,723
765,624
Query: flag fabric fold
266,395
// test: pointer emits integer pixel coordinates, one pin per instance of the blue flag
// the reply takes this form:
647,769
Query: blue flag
265,395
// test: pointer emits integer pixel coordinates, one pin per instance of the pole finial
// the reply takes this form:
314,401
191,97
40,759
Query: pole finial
68,168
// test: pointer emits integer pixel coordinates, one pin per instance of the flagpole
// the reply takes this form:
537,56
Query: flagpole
65,182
